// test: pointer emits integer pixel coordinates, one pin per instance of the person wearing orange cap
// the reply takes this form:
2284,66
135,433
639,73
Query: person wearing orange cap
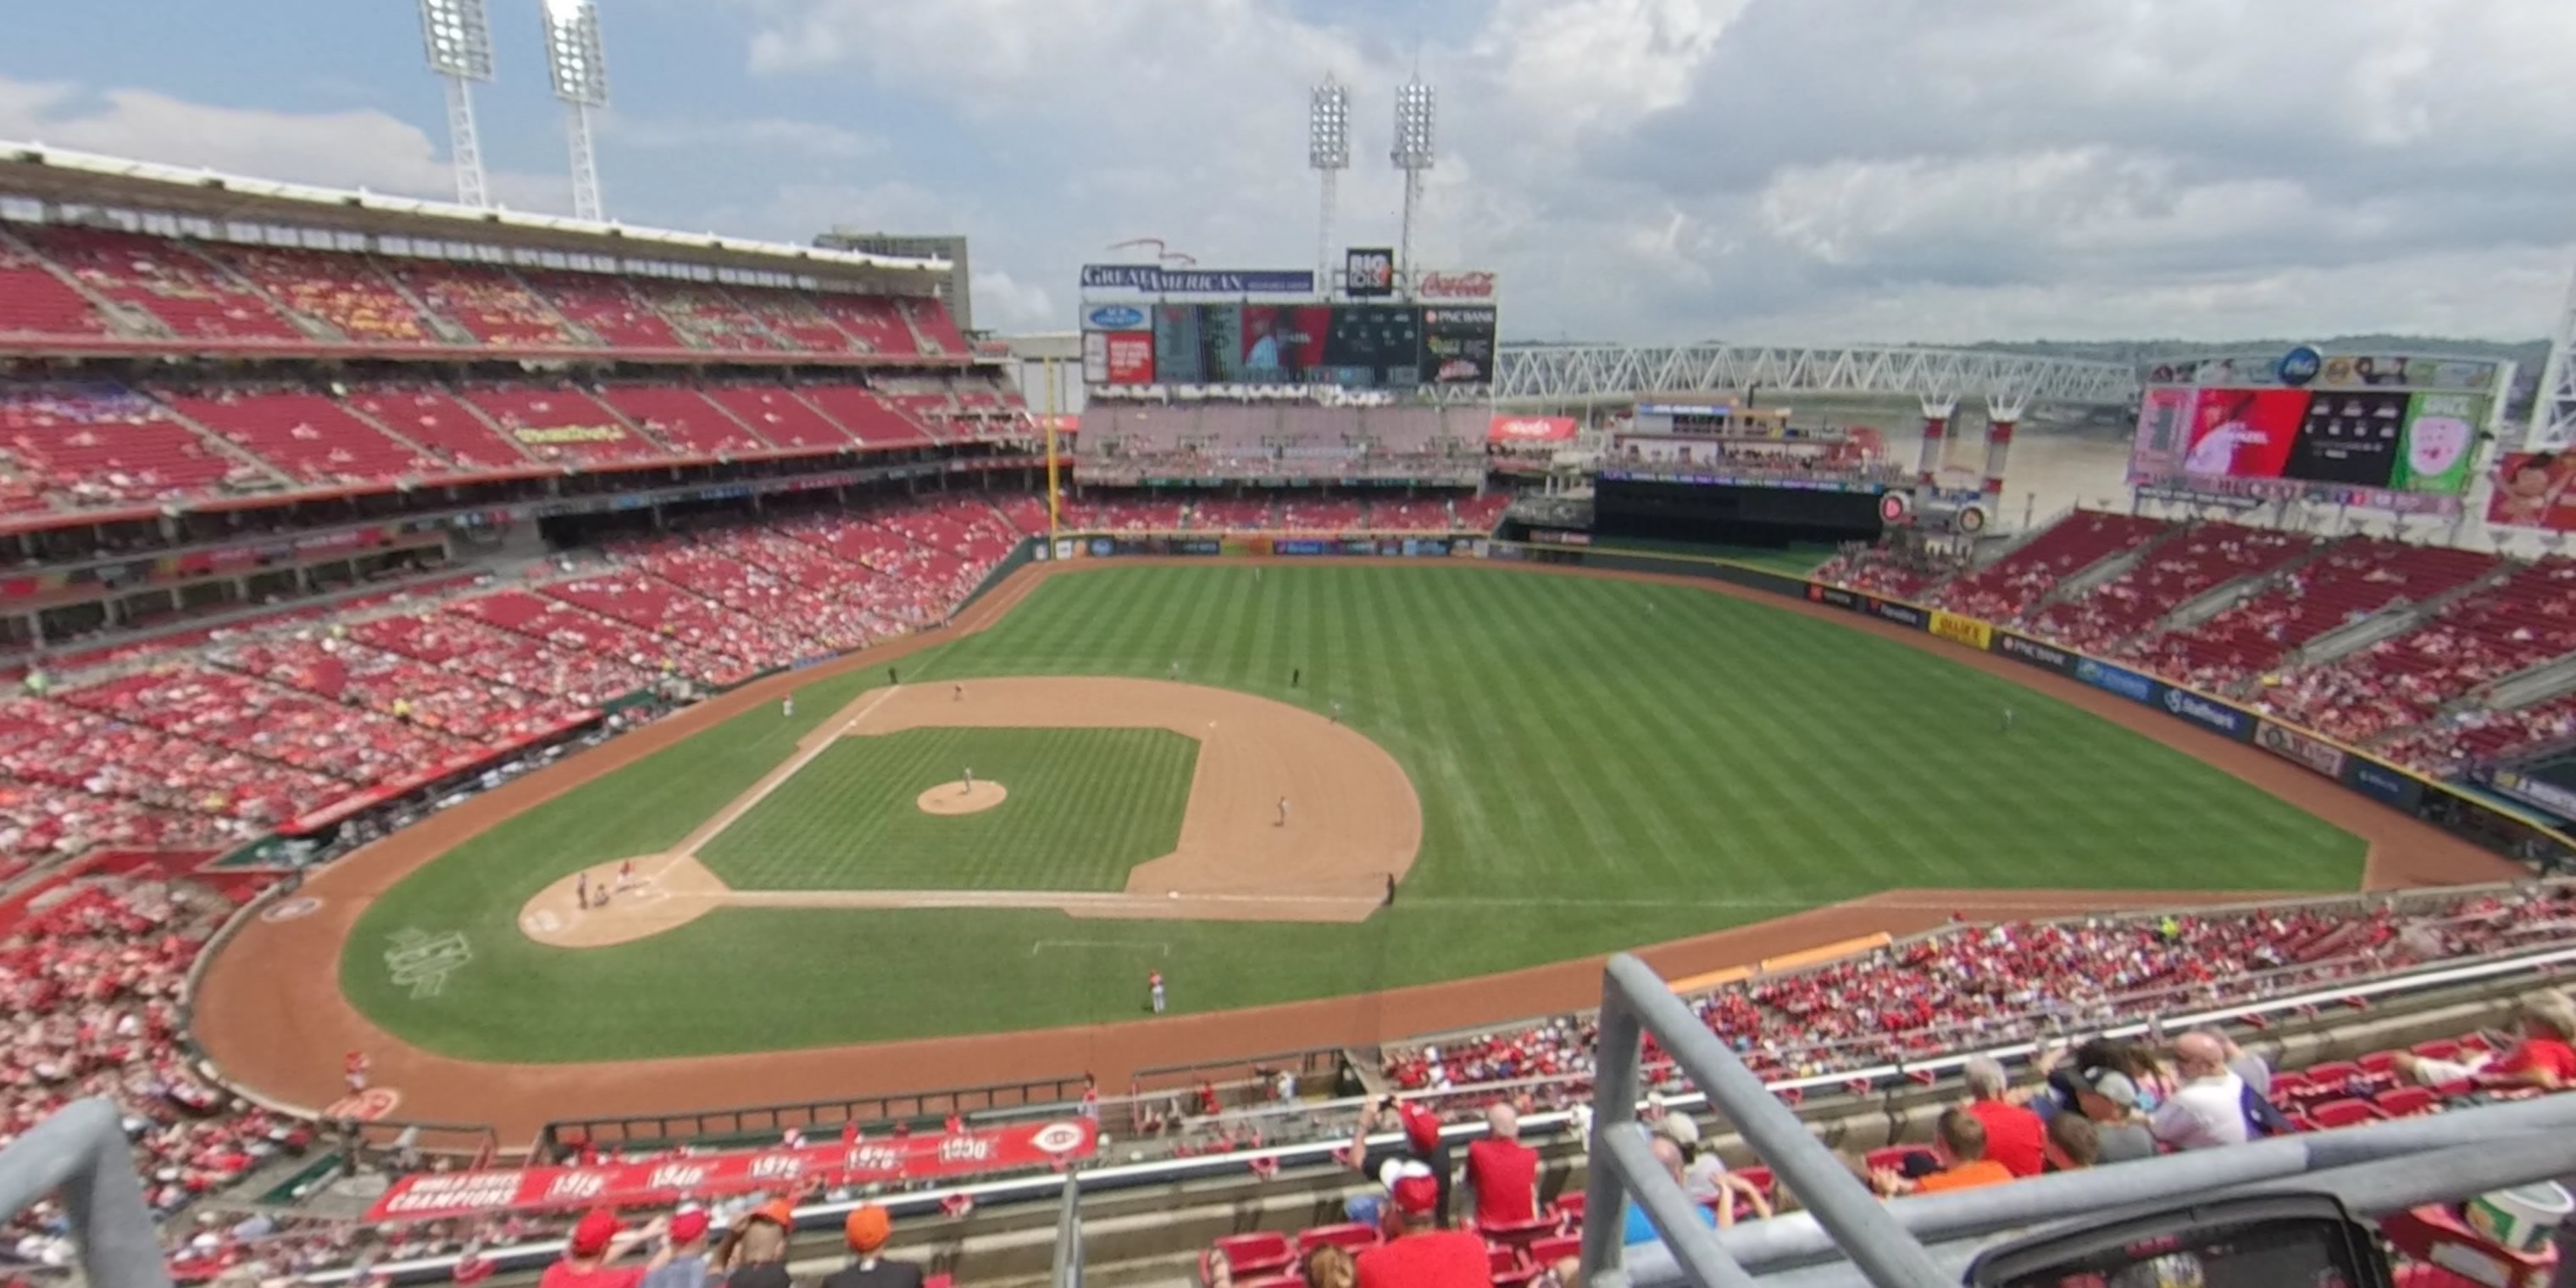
754,1251
1418,1253
596,1240
867,1231
684,1253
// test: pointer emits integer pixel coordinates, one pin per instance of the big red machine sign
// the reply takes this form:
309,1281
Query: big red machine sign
1454,284
672,1180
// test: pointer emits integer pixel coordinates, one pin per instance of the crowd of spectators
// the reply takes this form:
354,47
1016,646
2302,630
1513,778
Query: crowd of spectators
92,970
1899,572
1974,986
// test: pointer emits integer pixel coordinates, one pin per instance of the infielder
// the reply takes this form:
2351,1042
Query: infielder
1176,669
581,890
1337,711
957,693
970,783
1283,812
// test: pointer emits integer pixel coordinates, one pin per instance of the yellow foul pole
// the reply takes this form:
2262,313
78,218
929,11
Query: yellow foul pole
1054,497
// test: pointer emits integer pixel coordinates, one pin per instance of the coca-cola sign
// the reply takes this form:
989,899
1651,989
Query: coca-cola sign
1463,284
1531,429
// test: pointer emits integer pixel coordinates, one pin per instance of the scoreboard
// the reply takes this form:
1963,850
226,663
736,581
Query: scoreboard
1350,345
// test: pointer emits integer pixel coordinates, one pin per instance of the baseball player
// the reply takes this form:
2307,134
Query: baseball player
581,890
787,707
1176,668
1337,711
353,1070
1283,812
2008,719
970,782
1154,990
626,875
957,693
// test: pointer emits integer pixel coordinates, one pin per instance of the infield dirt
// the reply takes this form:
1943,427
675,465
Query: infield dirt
270,1012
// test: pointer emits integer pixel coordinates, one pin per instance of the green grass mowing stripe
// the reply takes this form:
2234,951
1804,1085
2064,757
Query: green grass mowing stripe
1620,768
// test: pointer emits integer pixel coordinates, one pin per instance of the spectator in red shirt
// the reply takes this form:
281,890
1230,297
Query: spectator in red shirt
1417,1253
2545,1058
2015,1137
1503,1172
597,1240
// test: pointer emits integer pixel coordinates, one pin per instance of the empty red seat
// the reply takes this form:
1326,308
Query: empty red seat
2344,1113
2379,1062
2443,1050
1547,1252
2405,1102
1353,1235
1256,1253
2333,1074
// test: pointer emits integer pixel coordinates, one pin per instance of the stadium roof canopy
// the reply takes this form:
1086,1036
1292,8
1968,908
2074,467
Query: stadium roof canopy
59,176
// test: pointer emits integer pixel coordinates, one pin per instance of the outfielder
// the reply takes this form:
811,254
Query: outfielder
2008,719
787,707
1154,990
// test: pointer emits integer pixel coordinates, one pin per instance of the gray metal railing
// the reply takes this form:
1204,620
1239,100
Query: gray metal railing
81,1154
1847,1235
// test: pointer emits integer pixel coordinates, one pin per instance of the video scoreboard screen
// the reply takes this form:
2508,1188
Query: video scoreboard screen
2383,432
1354,346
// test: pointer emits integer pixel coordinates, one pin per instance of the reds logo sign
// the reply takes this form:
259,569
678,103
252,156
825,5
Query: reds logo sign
1476,284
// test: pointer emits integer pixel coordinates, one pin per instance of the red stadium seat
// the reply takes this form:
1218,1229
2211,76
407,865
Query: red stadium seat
2406,1102
1547,1252
1257,1253
1353,1235
2344,1113
2379,1062
2444,1050
2333,1074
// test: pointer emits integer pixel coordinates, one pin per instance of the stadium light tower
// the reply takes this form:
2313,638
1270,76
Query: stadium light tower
459,43
2553,413
580,71
1416,116
1328,153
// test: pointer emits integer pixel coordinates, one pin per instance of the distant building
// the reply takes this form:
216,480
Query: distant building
954,291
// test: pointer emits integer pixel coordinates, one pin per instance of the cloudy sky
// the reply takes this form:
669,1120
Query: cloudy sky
1792,170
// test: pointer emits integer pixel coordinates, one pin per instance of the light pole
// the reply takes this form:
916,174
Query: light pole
1416,118
580,70
459,44
1328,153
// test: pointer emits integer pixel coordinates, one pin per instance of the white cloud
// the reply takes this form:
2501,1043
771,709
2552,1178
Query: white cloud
351,149
1003,303
1680,168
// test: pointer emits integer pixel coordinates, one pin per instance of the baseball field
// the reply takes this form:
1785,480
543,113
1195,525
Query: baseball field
1596,764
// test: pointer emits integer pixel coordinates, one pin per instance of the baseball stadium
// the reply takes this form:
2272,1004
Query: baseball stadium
542,748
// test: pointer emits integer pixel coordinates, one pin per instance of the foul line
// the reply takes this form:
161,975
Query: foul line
827,734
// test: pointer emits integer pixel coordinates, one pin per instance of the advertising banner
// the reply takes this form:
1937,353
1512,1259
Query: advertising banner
1368,272
1818,592
1455,284
1512,430
2022,648
1113,317
2300,748
1458,346
2112,679
2208,713
2547,795
1901,614
2441,441
2532,491
1966,630
1127,357
1152,279
1301,547
2381,783
442,1195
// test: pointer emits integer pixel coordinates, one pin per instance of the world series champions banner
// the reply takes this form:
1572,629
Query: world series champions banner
665,1181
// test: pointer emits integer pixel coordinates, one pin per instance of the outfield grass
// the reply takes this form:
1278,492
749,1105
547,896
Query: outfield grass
1601,764
1085,805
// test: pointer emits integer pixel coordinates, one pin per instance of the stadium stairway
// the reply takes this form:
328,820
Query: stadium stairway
2390,622
2076,585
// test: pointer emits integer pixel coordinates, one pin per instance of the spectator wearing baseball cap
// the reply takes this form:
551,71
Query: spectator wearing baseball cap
684,1253
596,1240
867,1231
1418,1253
754,1251
2109,1099
1421,1144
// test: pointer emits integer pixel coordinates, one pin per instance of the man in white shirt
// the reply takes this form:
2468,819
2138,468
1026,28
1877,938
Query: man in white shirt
2209,1107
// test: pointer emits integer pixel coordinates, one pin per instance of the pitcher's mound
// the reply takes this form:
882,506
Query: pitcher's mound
958,798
